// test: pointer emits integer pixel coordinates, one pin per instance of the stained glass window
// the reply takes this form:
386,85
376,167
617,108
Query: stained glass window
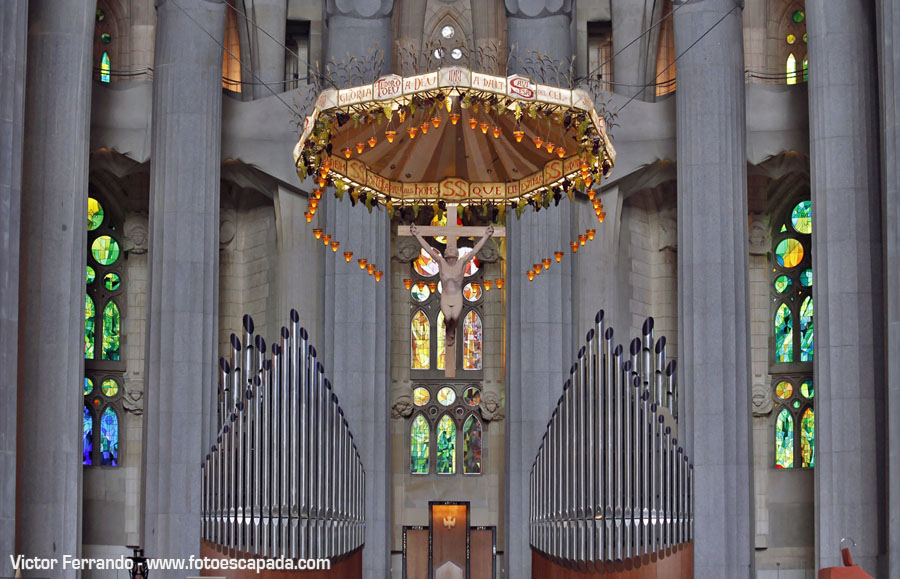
784,440
111,331
420,291
789,253
806,330
104,67
806,389
798,16
421,396
419,437
801,217
446,396
87,436
89,275
473,266
110,387
472,341
806,278
111,281
421,341
441,342
95,214
784,335
805,65
782,283
109,438
89,313
808,439
790,68
472,292
105,250
446,446
425,265
88,386
784,390
791,39
472,446
472,396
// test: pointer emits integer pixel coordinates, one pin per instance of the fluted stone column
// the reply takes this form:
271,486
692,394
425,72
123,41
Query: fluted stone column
271,16
635,65
889,61
51,282
539,313
13,27
184,248
713,305
848,293
356,344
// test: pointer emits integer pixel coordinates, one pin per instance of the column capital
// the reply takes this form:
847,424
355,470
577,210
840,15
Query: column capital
538,8
360,8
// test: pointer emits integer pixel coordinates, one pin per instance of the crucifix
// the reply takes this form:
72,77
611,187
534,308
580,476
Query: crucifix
452,271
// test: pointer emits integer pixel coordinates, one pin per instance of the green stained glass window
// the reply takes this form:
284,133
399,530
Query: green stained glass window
104,67
89,314
796,404
472,446
441,342
89,275
784,440
472,341
472,396
420,339
111,281
100,15
789,253
94,214
805,39
808,439
111,331
106,38
88,385
419,437
806,389
421,396
784,390
105,250
782,283
110,387
784,334
806,330
799,16
109,438
806,278
446,446
87,436
805,69
783,228
801,217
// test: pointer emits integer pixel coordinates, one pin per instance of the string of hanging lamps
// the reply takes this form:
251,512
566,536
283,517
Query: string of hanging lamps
329,241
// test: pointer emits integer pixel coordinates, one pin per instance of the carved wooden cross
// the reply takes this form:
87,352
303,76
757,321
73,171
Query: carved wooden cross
452,232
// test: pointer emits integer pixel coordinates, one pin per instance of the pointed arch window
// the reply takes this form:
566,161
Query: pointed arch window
104,363
792,30
472,445
104,67
446,425
472,341
446,445
420,335
419,438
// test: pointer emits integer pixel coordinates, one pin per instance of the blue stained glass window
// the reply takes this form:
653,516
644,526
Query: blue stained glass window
87,436
806,330
784,334
109,438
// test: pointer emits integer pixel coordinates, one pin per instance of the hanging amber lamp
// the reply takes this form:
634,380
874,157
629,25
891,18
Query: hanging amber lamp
473,122
362,261
546,261
308,216
549,146
424,127
436,121
495,130
360,147
318,233
591,233
499,282
574,246
326,239
334,246
372,141
484,127
558,255
560,152
538,141
582,239
347,151
390,134
370,268
530,274
378,273
537,268
487,285
348,255
407,282
454,118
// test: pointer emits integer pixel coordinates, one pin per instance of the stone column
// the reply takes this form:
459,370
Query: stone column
889,61
13,28
539,313
356,344
636,64
51,282
181,357
713,324
848,293
271,16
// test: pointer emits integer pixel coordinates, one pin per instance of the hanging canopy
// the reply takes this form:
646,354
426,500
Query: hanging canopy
455,136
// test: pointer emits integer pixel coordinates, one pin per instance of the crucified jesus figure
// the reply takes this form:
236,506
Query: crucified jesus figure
453,271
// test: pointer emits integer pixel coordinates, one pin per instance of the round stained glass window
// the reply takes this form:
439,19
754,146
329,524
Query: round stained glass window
782,283
784,390
446,396
106,38
799,16
96,402
806,278
94,214
791,39
801,217
472,396
425,265
105,250
439,53
472,291
796,404
459,411
112,281
100,15
789,253
110,387
456,54
805,38
447,31
88,386
421,396
420,291
89,275
806,389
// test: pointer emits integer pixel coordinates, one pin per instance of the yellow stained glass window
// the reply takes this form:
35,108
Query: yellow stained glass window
420,339
789,253
421,396
441,342
472,341
425,265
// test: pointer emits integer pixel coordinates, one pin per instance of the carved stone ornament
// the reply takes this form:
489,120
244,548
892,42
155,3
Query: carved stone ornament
406,249
537,8
403,407
360,8
136,236
761,400
490,252
759,236
491,407
227,227
133,399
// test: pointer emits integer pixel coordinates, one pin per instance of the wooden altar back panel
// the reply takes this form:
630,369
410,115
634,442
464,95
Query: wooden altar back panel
666,565
449,536
482,541
415,553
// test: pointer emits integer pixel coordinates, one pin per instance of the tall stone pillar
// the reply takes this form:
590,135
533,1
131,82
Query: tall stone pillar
848,293
539,313
889,62
356,344
13,28
184,249
51,283
271,16
713,304
635,65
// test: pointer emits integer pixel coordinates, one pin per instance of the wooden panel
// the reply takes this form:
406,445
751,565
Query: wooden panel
348,567
677,563
415,553
450,530
481,553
